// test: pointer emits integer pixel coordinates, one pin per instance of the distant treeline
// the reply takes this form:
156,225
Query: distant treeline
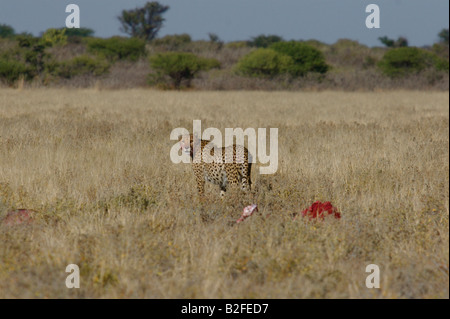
75,58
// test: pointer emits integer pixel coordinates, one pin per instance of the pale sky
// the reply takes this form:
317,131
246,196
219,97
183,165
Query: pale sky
325,20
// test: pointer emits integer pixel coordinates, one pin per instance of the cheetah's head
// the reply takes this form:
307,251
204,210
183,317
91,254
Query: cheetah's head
186,143
189,143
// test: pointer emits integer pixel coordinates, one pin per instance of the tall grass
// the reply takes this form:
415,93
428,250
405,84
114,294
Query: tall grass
95,166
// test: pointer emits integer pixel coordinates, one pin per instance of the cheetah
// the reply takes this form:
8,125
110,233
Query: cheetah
217,171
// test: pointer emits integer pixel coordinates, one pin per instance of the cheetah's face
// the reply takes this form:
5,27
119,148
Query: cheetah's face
186,143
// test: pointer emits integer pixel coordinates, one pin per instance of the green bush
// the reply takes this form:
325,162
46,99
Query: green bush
347,44
117,48
76,35
6,31
264,63
391,43
305,57
264,41
408,60
79,32
317,44
29,52
236,44
179,67
441,64
53,37
434,61
441,50
26,40
82,64
401,61
11,71
173,42
36,57
443,36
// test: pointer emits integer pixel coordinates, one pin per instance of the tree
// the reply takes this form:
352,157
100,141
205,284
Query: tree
443,36
390,43
441,48
52,37
265,63
401,42
404,61
6,31
264,41
11,71
180,66
306,58
386,41
145,22
79,32
117,48
215,40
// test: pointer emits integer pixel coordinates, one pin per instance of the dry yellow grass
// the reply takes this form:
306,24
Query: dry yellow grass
95,165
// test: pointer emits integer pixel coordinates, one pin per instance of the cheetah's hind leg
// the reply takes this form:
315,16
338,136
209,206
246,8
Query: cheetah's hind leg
245,176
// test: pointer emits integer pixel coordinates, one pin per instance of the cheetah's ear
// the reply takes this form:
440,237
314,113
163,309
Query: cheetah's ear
181,137
194,138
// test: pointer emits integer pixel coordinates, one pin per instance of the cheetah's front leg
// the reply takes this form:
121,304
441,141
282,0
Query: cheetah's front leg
200,183
245,177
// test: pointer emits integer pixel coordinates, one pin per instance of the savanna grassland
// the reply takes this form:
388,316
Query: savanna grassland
95,166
